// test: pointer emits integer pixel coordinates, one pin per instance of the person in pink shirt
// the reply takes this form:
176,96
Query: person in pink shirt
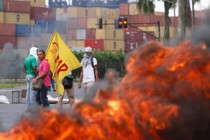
44,73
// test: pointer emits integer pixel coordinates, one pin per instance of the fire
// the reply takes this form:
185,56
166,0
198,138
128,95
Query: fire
164,96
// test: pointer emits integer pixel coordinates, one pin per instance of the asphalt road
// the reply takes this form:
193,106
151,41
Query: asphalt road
11,113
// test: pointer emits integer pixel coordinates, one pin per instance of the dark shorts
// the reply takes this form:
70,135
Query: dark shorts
67,82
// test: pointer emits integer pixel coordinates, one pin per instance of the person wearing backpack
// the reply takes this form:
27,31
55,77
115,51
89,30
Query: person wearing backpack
89,72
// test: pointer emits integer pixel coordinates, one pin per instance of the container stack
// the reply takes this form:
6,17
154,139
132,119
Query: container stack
83,29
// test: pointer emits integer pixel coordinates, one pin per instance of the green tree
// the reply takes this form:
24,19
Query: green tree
147,6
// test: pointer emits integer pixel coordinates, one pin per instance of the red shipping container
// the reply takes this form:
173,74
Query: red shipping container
90,33
82,23
38,13
97,44
130,46
7,29
17,6
132,34
71,34
7,41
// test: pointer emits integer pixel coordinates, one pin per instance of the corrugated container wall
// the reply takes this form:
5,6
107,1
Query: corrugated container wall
81,12
80,34
133,10
90,33
75,43
110,34
7,41
95,44
26,42
123,8
114,34
17,6
49,26
46,37
28,30
82,23
40,13
61,14
106,13
72,12
7,29
38,3
107,23
2,17
71,34
1,5
72,23
114,45
17,18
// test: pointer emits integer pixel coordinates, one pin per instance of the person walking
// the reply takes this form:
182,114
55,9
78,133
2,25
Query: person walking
89,72
30,70
44,73
68,84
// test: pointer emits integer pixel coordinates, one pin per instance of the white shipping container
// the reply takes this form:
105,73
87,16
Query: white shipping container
81,34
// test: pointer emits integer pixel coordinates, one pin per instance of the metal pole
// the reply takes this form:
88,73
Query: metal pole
158,23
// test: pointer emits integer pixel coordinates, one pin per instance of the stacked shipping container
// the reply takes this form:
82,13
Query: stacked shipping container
16,25
83,29
27,22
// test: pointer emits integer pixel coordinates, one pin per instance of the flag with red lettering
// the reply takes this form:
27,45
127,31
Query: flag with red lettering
61,60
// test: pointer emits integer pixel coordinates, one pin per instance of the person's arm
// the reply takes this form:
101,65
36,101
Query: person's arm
80,79
42,76
96,72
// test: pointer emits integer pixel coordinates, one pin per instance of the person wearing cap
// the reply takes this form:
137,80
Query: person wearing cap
30,70
89,72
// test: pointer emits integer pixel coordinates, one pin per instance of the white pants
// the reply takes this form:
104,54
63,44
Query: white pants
87,86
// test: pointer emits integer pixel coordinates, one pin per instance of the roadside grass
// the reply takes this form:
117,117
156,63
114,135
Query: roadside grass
11,84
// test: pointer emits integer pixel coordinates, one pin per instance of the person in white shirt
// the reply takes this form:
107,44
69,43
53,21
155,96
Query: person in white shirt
89,72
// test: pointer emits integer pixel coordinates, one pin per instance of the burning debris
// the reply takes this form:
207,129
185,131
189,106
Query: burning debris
165,95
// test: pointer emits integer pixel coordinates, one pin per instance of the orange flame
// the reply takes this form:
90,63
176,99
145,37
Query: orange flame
159,98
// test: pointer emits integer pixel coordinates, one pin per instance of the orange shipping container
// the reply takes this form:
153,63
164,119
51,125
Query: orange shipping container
17,18
114,45
75,43
38,3
7,29
110,34
2,17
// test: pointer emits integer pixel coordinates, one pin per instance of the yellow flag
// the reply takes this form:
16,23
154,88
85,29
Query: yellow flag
61,60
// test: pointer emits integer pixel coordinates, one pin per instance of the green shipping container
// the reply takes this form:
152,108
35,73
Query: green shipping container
1,5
